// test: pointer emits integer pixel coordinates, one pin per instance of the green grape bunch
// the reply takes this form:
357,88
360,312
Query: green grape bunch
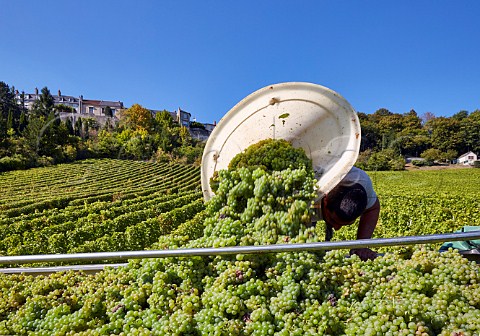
271,154
263,197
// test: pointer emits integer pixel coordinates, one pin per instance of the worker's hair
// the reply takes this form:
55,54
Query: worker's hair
347,201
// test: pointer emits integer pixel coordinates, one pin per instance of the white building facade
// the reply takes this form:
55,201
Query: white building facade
467,158
80,105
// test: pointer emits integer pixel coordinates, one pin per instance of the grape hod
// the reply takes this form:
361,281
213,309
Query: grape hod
307,115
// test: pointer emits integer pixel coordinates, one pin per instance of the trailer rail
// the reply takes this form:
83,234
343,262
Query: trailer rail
260,249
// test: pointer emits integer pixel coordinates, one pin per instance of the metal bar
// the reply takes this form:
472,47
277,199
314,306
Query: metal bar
348,244
48,270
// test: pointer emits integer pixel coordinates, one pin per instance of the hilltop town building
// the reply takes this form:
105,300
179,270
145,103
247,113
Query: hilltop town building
80,105
89,108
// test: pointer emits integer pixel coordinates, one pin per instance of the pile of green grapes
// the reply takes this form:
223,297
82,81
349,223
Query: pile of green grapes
290,293
271,155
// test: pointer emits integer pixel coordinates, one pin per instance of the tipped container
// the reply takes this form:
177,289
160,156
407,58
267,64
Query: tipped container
308,115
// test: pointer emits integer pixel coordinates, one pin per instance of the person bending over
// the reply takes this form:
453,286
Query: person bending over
352,198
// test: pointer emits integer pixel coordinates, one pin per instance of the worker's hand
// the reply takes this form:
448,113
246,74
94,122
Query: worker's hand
364,253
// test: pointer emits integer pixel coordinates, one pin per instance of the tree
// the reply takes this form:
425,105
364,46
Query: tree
7,99
51,136
445,134
33,132
371,137
449,155
69,126
389,125
460,115
78,127
392,123
108,145
432,155
382,112
185,136
411,121
44,105
23,108
137,118
22,122
411,139
164,119
409,143
109,126
10,121
90,128
471,131
166,131
9,110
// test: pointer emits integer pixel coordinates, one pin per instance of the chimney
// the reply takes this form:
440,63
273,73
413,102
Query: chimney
59,93
215,123
36,91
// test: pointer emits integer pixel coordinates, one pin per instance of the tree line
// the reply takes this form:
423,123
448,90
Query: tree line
387,138
38,137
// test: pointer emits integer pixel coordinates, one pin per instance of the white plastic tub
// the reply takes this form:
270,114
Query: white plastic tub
308,115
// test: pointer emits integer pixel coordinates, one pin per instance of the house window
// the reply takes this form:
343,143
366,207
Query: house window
91,109
470,157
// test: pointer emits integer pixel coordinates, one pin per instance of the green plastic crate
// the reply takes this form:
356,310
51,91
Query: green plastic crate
468,248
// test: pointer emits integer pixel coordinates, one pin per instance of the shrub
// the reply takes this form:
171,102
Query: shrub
107,145
362,160
70,153
397,163
190,153
196,124
422,163
387,159
65,108
85,150
138,148
161,156
432,154
45,161
14,162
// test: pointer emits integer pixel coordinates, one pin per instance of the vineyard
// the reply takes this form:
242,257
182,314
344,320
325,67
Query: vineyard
113,205
95,205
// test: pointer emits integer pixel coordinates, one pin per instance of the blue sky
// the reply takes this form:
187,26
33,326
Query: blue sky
205,56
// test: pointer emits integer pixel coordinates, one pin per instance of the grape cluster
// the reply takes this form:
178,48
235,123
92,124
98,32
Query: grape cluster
286,293
271,155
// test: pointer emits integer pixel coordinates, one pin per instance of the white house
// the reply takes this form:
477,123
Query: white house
467,158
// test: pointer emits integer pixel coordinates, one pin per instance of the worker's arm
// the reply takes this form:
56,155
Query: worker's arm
368,222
